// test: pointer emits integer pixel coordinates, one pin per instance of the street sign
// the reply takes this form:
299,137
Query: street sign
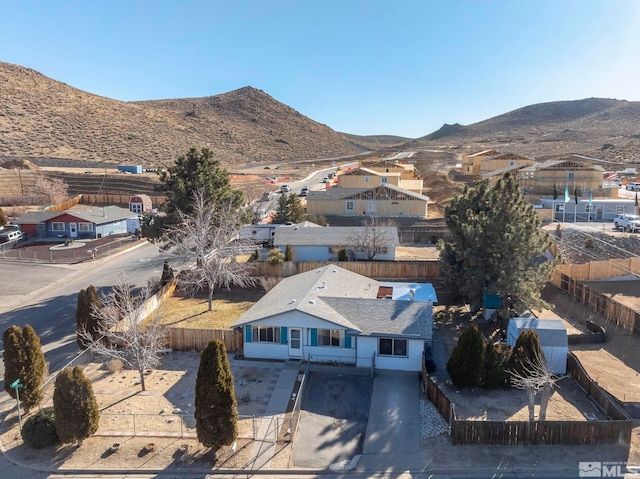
16,384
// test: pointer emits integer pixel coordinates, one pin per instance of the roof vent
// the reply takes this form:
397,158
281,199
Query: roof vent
292,301
312,301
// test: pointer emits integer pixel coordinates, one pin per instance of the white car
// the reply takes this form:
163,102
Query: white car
624,221
285,188
633,186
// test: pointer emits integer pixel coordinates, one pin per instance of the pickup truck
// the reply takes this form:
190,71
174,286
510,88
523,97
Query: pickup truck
627,222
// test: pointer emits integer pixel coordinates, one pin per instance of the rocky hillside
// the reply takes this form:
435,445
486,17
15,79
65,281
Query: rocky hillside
44,118
597,127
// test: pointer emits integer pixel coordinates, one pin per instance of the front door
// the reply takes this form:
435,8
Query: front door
73,229
295,342
599,213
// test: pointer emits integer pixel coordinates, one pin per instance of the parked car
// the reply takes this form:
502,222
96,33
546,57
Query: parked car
304,191
325,179
285,188
633,186
624,221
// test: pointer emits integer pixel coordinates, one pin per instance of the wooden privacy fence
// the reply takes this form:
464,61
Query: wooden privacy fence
182,339
600,269
517,433
372,269
609,307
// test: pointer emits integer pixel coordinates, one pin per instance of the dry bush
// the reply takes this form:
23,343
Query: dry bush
267,283
114,365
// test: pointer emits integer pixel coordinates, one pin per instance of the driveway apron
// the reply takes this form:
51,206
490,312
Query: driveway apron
394,414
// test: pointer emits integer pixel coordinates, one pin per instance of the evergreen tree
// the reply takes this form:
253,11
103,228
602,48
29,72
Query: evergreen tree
527,352
86,319
24,360
496,245
13,357
76,410
197,170
466,364
167,274
289,209
216,408
496,363
289,253
3,218
34,368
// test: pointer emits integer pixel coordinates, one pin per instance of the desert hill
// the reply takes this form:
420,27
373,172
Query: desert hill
43,118
597,127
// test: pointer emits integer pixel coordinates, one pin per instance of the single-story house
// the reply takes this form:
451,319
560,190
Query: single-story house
553,339
382,201
332,315
82,224
264,233
324,243
594,209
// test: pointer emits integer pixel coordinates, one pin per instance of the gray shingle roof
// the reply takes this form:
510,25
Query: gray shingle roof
386,317
103,215
345,299
328,235
34,217
302,292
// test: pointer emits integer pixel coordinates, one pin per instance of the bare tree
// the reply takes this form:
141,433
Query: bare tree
211,236
54,189
370,240
535,378
123,331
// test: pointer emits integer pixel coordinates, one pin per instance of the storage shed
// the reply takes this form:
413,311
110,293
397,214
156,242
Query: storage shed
553,339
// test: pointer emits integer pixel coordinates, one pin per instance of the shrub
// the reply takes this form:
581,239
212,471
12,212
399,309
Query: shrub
466,364
114,365
39,431
289,253
526,351
275,257
76,408
496,363
342,255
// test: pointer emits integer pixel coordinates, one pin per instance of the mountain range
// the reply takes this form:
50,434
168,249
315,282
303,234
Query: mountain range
41,118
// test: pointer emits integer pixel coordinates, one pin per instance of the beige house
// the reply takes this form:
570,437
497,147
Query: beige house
494,167
384,200
370,178
570,171
471,164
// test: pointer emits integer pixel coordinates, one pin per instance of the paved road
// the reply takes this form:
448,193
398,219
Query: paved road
45,296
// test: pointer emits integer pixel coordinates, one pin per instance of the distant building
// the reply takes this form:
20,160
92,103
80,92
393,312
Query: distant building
140,204
136,169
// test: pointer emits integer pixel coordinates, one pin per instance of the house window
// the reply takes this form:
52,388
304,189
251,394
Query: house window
588,208
371,206
619,210
571,175
57,226
85,226
135,207
384,180
329,337
392,347
350,205
266,334
366,179
559,208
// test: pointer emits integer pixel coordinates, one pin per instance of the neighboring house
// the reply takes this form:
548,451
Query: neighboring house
311,244
140,204
595,209
370,178
265,233
495,167
553,339
136,169
82,224
569,171
332,315
471,164
382,201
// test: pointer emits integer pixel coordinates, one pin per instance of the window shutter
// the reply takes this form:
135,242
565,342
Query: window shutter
247,333
283,335
347,342
314,337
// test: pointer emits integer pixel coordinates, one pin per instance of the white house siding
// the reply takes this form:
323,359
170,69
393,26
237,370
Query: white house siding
266,351
321,354
368,346
115,228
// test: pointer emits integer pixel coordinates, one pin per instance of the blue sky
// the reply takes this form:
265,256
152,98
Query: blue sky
399,67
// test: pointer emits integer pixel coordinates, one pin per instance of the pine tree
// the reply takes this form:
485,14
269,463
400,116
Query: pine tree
86,319
496,363
76,409
466,363
216,408
34,368
496,245
13,357
24,360
289,209
289,253
526,352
